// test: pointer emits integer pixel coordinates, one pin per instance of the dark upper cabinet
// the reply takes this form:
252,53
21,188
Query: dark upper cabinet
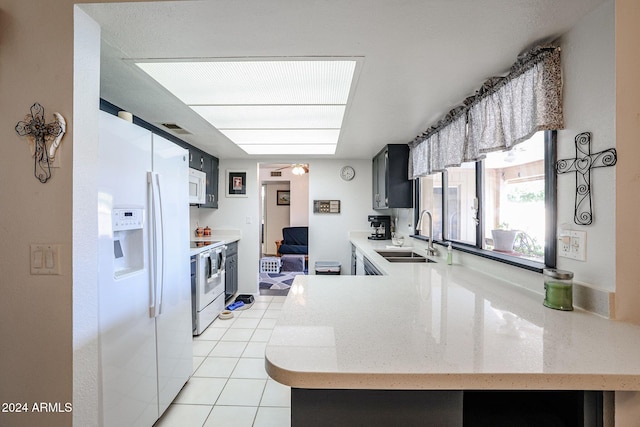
196,158
208,164
211,169
392,187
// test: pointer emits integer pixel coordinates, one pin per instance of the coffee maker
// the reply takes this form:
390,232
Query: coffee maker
381,225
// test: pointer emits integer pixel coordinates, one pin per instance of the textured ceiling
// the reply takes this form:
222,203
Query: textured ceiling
420,57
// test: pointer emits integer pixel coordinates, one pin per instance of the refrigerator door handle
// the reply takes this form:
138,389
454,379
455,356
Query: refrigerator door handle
152,246
159,227
156,247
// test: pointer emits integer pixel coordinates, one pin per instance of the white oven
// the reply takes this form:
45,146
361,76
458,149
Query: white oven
197,187
209,292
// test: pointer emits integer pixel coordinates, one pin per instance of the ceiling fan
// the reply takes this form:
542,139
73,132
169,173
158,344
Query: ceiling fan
297,168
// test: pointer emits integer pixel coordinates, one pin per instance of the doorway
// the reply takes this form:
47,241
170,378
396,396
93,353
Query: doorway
284,202
276,214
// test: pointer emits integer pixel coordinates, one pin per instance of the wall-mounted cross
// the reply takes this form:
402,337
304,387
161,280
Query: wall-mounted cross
39,133
582,165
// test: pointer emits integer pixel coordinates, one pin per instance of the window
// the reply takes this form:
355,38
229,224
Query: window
461,202
430,190
514,214
501,207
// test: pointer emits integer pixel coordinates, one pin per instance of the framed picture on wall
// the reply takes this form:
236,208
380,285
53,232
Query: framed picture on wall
236,183
283,197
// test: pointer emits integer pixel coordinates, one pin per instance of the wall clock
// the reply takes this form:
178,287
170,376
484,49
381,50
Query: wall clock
347,173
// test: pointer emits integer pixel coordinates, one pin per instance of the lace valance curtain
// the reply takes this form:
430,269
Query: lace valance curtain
504,112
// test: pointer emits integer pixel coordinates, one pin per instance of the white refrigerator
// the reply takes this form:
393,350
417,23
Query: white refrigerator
144,305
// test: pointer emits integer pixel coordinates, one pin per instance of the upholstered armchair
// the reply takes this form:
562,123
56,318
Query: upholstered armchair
295,241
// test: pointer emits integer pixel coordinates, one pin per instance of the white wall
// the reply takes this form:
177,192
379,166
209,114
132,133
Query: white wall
588,62
329,233
299,187
85,240
242,214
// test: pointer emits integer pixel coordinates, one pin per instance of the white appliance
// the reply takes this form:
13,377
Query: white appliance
144,298
197,187
209,287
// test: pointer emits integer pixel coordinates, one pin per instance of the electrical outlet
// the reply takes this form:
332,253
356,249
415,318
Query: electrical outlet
573,244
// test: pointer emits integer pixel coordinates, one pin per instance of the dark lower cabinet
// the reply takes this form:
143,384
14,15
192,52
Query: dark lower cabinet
231,271
444,408
424,408
532,408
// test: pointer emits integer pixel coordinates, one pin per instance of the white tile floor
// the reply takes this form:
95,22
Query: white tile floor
230,386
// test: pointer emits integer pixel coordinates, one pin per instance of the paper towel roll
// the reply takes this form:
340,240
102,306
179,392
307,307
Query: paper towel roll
125,115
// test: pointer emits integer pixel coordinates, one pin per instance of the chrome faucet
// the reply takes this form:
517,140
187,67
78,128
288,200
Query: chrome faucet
430,249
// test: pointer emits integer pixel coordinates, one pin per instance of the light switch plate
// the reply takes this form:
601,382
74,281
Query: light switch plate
572,245
45,259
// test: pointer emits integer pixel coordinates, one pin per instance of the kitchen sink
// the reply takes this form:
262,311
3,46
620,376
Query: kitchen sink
403,256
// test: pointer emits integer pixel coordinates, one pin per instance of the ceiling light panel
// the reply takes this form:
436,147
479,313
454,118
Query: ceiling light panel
283,136
277,149
255,82
265,106
272,116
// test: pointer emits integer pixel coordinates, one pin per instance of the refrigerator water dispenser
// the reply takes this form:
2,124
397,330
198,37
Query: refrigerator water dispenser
128,243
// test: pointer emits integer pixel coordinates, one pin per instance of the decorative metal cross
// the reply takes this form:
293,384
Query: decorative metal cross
34,127
582,165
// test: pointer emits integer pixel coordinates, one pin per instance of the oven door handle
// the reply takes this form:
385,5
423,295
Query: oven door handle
221,255
222,258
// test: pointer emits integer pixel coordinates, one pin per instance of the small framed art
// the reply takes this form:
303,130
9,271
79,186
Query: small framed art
283,197
236,183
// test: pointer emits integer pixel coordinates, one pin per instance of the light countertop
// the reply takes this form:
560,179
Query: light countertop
216,238
434,326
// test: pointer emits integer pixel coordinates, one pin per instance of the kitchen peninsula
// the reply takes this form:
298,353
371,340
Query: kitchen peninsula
427,341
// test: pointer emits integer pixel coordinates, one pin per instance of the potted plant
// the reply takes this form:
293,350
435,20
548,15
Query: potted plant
503,238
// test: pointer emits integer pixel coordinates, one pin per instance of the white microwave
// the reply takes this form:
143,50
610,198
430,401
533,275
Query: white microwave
197,187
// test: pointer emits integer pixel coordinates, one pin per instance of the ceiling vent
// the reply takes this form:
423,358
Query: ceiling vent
276,173
176,129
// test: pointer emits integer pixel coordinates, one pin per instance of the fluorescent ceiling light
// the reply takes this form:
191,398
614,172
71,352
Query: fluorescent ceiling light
301,149
280,136
260,102
272,116
255,81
